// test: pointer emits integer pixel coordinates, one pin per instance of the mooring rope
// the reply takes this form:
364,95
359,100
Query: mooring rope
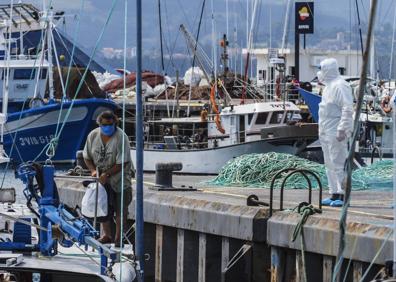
114,2
77,32
305,210
123,129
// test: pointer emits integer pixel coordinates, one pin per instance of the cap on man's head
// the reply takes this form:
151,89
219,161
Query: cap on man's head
107,115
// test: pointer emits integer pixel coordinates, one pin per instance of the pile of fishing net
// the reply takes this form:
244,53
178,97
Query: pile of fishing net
379,175
257,170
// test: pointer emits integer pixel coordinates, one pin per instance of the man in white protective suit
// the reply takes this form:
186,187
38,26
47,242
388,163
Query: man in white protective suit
335,127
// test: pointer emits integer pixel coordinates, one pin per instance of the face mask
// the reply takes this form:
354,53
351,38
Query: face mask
107,130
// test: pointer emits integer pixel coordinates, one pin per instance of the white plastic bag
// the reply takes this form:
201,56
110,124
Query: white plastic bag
88,201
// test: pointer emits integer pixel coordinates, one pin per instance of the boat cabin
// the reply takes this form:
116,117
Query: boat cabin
176,133
243,123
23,77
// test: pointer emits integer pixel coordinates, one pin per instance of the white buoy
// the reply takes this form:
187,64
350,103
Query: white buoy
128,272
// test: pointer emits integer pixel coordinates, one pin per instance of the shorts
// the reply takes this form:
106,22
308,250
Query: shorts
117,201
114,203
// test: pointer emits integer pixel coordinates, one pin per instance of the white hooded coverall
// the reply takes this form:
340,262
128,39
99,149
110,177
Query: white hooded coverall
335,122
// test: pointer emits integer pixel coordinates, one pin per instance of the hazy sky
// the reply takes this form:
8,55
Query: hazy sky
176,12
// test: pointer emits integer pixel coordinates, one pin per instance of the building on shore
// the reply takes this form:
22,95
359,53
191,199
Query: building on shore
349,62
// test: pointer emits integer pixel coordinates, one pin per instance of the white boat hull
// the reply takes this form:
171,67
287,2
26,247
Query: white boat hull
208,161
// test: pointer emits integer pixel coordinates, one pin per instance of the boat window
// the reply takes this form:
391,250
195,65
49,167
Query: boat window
289,116
24,73
43,73
3,73
250,116
276,117
261,118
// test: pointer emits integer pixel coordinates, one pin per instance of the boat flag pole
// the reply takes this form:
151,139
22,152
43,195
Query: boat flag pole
356,125
139,147
4,113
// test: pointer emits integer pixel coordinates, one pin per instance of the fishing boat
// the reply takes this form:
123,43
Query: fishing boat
204,146
36,120
28,133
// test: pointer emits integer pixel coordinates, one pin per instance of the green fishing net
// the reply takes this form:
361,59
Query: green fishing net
257,170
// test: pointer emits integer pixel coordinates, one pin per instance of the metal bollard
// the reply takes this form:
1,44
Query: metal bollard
163,177
80,160
164,173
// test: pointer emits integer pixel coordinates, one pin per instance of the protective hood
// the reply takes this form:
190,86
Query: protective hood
328,71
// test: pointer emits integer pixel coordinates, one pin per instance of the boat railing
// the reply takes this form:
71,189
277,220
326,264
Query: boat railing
275,91
173,146
21,57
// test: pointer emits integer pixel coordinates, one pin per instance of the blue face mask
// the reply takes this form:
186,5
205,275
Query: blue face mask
107,130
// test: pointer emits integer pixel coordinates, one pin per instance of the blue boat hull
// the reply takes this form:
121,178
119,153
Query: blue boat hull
312,100
28,132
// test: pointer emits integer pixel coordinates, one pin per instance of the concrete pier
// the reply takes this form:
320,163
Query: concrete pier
212,235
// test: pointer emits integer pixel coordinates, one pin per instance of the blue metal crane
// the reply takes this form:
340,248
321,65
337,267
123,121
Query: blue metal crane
56,223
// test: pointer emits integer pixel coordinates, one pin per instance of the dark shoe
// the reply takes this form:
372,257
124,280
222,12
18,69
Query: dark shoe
104,239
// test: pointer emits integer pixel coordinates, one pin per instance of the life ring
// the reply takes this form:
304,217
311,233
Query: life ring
385,104
216,110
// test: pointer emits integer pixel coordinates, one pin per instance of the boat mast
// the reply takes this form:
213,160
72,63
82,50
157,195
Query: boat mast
224,56
20,31
162,57
285,26
47,16
227,19
235,43
139,239
214,47
373,74
248,48
194,56
350,159
3,117
392,46
227,15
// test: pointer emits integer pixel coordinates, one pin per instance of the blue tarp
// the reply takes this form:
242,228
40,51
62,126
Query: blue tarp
312,100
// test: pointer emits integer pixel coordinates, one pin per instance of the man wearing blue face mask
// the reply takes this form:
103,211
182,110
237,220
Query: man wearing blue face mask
103,151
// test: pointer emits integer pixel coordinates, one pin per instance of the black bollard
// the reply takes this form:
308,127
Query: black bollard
164,173
163,177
